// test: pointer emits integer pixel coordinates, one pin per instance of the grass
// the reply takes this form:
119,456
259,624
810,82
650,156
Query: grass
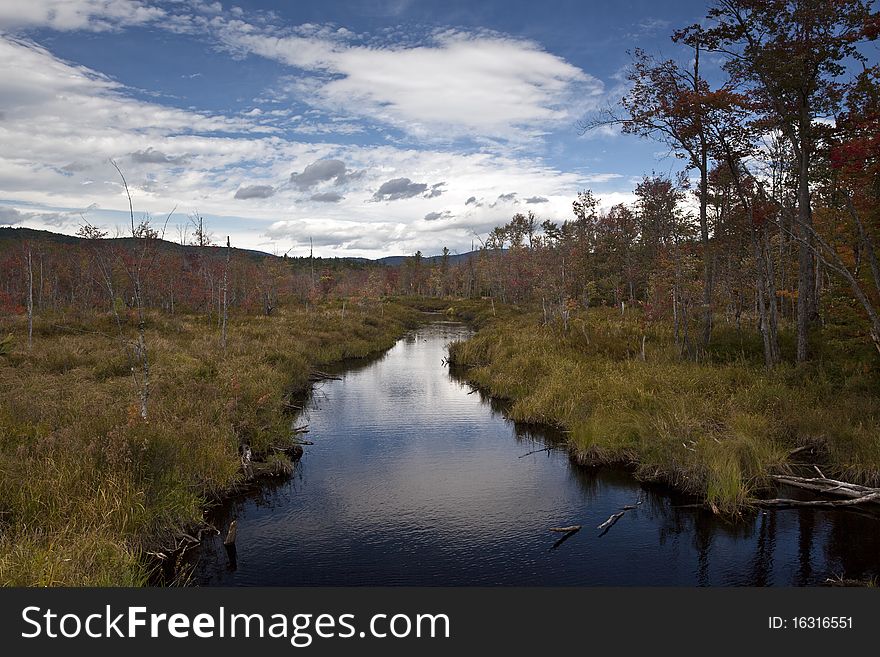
86,486
717,429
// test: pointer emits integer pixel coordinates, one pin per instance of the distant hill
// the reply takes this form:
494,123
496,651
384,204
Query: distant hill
8,234
11,233
396,261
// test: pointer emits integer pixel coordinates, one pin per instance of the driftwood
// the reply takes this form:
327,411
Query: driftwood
825,485
567,533
614,517
855,493
608,524
303,429
827,504
229,544
230,535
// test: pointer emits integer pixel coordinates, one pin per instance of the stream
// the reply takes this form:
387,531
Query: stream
415,479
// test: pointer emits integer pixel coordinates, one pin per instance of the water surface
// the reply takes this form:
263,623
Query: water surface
414,479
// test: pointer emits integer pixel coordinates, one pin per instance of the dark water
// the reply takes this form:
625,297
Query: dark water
414,481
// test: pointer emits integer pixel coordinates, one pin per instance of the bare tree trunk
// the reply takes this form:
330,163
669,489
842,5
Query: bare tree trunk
806,304
40,292
766,315
30,299
225,300
766,294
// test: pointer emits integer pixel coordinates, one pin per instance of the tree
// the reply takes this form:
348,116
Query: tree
667,102
138,265
790,54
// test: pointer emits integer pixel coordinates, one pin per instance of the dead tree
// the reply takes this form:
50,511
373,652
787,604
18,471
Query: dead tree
138,269
225,299
30,299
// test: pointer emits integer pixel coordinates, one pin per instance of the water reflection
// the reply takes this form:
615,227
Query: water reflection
415,479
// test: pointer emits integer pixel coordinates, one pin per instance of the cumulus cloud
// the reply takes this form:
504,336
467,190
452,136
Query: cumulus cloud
327,197
318,172
342,234
399,188
434,216
435,190
255,191
10,216
152,156
537,199
64,15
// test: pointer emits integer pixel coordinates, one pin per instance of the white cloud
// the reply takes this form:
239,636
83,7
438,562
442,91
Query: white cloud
455,84
93,15
62,123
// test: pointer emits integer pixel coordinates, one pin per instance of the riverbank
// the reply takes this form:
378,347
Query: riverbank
718,429
87,487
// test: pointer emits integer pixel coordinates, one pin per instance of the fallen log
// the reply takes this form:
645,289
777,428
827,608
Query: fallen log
825,504
823,485
611,520
568,532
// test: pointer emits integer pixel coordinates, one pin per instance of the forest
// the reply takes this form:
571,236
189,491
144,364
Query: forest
720,334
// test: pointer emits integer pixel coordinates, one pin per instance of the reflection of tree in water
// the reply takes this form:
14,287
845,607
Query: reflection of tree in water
762,562
675,517
806,529
852,544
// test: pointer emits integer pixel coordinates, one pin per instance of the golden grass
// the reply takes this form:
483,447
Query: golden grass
86,486
717,428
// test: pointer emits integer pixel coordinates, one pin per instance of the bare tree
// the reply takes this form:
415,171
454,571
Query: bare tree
225,299
30,299
137,270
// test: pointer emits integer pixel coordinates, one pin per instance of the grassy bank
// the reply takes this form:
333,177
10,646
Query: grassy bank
86,486
716,429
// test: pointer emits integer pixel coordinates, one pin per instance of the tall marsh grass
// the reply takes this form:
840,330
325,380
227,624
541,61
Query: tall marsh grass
716,428
86,486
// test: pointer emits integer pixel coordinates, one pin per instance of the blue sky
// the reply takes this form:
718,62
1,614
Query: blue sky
372,127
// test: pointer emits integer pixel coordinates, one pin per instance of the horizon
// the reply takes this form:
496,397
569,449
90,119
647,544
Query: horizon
370,128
